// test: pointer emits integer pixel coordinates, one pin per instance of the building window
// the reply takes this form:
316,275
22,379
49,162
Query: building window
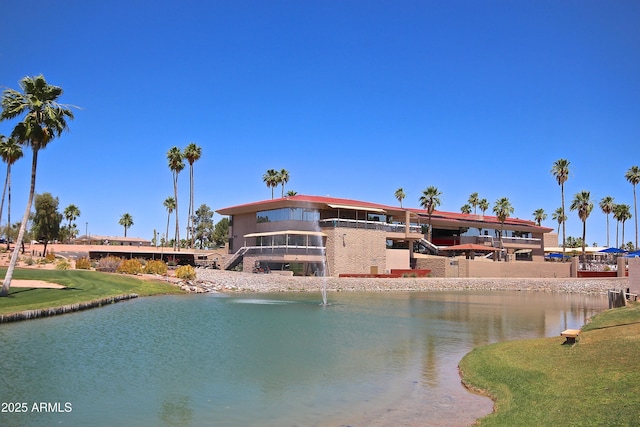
288,214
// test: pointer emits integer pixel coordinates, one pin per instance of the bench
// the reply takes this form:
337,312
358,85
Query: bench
571,335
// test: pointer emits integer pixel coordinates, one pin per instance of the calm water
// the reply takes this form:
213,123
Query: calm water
268,360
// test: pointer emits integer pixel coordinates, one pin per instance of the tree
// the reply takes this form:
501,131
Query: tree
473,201
503,209
192,153
11,152
43,120
583,204
203,223
71,213
221,232
633,177
400,195
483,204
271,179
466,208
430,200
126,221
539,216
621,213
560,170
283,178
170,205
606,205
291,193
176,164
559,216
46,220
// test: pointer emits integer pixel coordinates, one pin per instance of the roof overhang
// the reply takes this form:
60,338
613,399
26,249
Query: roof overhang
356,208
285,232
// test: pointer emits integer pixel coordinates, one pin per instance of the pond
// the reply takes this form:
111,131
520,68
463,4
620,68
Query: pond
268,359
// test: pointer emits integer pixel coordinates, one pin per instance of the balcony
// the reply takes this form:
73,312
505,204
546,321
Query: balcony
368,225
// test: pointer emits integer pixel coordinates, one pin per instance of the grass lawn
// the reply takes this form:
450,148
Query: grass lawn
81,286
538,382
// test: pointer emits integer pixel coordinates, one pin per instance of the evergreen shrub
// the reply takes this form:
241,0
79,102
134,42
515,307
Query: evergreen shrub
130,266
185,272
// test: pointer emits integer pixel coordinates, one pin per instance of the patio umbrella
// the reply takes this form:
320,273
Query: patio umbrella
556,255
469,247
632,254
612,251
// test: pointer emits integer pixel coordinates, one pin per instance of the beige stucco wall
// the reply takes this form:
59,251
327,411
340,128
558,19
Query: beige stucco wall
397,258
355,250
242,224
634,275
447,267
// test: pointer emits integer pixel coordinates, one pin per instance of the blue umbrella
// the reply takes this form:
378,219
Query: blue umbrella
612,251
554,255
633,254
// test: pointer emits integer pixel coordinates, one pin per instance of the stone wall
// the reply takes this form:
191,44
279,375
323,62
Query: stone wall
461,267
634,275
355,250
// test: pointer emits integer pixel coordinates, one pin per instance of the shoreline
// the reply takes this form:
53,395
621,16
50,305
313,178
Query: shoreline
228,281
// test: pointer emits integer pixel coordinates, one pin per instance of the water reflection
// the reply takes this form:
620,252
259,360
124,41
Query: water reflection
369,359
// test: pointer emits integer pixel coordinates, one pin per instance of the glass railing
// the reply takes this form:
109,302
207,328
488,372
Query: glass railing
369,225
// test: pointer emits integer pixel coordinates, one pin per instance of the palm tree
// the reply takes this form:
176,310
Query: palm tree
271,179
633,176
43,120
559,216
170,204
283,178
11,152
71,213
466,208
400,195
429,200
291,193
621,213
176,164
483,204
560,170
607,205
583,204
473,201
539,216
126,221
503,209
192,153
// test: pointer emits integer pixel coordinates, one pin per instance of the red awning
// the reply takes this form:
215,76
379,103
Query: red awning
469,247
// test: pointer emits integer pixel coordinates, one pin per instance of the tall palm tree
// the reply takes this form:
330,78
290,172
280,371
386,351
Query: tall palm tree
176,164
503,210
560,170
582,203
606,205
466,208
170,204
291,193
126,221
192,153
43,119
621,213
283,178
430,200
483,204
473,201
539,216
271,179
559,216
633,176
11,152
400,195
71,213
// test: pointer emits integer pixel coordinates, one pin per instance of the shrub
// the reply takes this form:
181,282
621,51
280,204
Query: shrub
63,264
109,264
186,272
83,264
155,267
50,257
130,266
29,261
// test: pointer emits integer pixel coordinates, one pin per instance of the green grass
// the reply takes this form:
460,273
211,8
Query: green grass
539,382
81,286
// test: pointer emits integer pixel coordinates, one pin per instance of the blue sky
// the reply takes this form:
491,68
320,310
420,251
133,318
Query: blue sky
353,98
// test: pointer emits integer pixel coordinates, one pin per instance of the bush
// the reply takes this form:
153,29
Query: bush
155,267
109,264
130,266
63,264
83,264
29,261
186,272
50,257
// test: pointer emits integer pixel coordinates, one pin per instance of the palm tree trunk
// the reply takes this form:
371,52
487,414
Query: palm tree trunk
191,207
607,230
635,212
23,226
4,191
8,204
584,236
166,236
563,225
176,239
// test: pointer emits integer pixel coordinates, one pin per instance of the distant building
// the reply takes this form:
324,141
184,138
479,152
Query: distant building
331,236
94,239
